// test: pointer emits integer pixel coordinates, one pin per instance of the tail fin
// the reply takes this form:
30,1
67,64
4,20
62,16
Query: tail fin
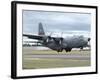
41,30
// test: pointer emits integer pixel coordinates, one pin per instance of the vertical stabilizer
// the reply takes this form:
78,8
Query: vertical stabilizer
41,30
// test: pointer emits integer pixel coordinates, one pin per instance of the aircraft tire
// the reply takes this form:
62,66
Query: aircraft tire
68,49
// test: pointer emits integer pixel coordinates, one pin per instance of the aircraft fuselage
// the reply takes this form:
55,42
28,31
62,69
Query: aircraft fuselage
67,43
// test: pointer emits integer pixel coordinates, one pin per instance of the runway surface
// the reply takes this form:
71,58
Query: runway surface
30,53
37,58
59,56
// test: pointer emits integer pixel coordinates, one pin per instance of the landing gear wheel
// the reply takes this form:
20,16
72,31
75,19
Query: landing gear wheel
60,50
68,49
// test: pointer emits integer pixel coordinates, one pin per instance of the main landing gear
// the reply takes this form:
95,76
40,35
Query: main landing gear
60,50
68,49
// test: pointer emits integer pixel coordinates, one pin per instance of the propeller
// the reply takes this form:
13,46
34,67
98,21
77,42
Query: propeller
58,39
47,38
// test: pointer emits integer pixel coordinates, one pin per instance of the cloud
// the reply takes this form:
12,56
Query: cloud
56,21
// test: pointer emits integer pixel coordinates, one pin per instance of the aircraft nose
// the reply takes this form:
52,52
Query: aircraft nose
89,39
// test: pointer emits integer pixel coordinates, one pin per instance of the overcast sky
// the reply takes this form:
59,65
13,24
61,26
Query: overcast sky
56,22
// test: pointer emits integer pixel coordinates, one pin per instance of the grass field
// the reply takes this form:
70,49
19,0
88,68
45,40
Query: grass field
38,63
53,63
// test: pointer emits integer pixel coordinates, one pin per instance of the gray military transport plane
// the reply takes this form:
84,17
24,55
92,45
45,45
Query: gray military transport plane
59,43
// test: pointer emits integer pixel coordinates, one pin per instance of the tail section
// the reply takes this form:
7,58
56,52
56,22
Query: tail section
41,30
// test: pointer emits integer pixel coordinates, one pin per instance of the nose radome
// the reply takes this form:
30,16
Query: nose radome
89,39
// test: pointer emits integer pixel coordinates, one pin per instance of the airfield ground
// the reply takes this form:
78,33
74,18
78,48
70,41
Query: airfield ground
37,59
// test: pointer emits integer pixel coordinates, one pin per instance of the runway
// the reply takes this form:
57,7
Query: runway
44,58
59,56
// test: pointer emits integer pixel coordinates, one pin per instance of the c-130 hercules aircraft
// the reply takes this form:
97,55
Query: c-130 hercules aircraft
59,43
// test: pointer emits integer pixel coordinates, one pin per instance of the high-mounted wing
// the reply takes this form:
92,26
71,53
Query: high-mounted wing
37,37
57,40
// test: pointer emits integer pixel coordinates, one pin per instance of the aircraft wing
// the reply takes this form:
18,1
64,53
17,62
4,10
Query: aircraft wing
37,37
